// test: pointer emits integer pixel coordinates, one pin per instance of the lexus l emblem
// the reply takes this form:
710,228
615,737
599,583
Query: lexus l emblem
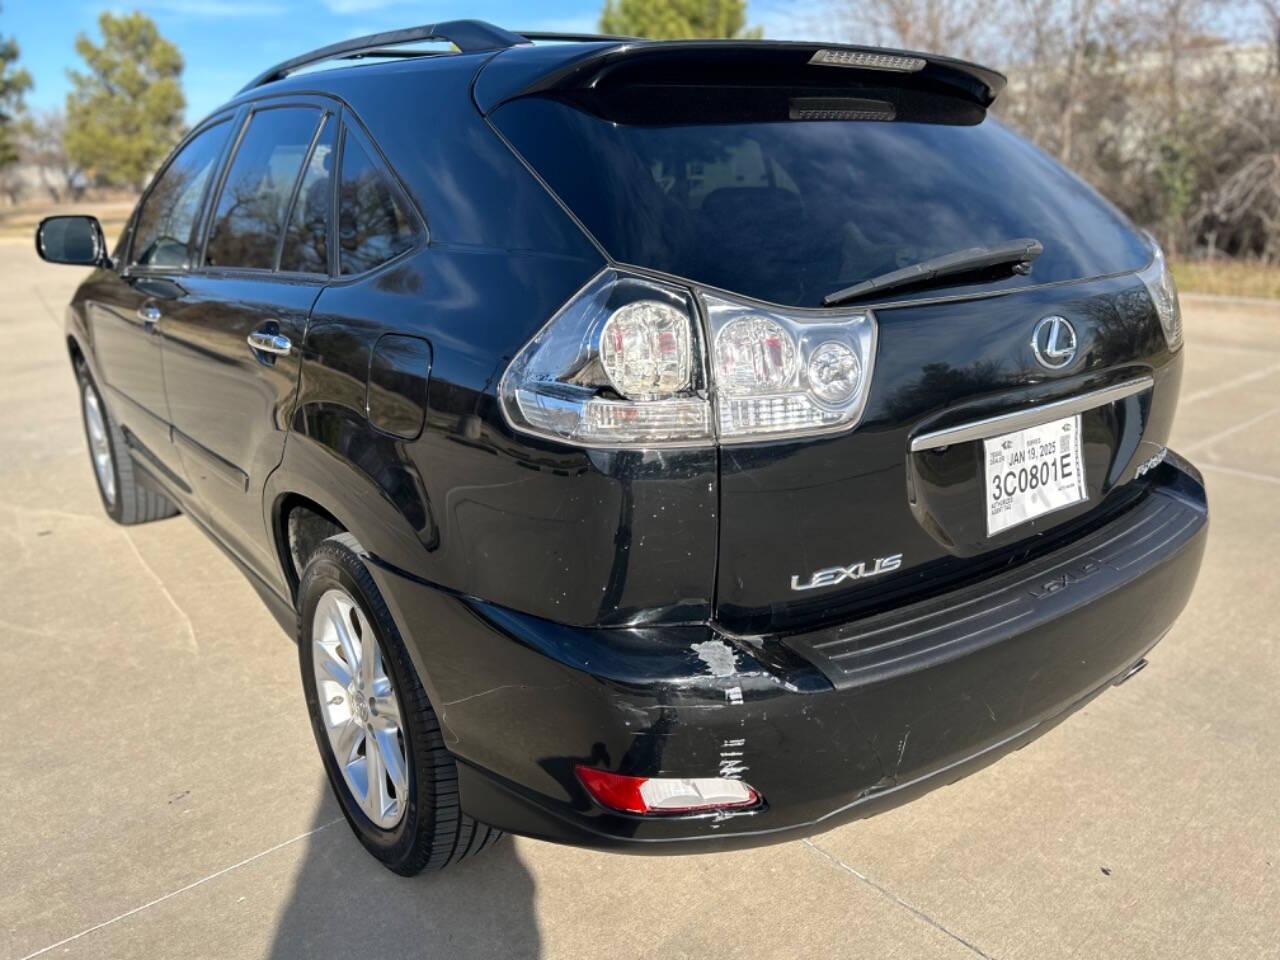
1054,342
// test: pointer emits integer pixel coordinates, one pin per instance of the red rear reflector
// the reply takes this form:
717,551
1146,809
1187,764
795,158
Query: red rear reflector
665,794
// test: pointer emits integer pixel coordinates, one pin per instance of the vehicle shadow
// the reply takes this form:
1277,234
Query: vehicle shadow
345,904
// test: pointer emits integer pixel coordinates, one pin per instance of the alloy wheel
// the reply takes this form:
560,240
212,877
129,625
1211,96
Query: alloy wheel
359,708
99,445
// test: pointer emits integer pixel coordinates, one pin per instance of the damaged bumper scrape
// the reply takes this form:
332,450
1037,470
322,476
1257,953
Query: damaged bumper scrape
828,726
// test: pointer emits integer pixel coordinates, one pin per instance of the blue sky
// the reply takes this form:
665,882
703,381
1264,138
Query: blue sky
226,42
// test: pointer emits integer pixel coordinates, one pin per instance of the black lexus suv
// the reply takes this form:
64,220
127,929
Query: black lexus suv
661,446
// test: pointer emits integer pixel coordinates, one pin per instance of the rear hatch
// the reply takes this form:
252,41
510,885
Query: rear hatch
783,174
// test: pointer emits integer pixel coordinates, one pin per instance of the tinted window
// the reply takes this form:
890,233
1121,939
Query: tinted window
163,233
255,196
372,225
306,237
791,211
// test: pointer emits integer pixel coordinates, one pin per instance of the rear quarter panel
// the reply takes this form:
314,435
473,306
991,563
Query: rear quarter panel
578,536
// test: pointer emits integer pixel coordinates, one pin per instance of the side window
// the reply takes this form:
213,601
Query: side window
372,226
255,196
162,237
306,238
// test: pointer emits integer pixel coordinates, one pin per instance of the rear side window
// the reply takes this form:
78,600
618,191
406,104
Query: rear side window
162,237
306,238
373,226
790,210
259,185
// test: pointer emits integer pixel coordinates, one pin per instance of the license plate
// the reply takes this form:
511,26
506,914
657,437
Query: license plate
1033,472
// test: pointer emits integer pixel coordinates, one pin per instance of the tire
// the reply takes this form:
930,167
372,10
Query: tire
126,499
419,825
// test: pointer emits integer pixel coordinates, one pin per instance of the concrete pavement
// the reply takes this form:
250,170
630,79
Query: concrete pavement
161,795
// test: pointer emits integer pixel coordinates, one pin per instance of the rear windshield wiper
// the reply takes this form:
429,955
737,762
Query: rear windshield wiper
1015,254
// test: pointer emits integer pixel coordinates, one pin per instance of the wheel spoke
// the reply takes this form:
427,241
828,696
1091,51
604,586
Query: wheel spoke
376,777
330,665
346,738
371,659
392,759
388,705
342,628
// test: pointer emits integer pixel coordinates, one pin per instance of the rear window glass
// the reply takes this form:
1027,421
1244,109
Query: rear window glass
790,211
372,225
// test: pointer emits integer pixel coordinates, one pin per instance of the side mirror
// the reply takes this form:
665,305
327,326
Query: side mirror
73,239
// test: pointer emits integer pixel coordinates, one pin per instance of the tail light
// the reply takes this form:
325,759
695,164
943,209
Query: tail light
626,363
665,794
1164,294
617,366
778,376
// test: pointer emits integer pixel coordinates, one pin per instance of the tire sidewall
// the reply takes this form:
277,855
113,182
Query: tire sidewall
114,510
329,569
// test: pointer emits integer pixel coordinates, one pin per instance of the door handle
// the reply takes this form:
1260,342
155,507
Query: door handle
276,343
150,315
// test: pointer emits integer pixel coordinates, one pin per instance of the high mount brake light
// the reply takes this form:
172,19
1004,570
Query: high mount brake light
626,364
867,60
648,795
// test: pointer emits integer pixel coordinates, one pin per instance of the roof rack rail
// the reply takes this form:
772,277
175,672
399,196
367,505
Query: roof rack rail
469,36
573,37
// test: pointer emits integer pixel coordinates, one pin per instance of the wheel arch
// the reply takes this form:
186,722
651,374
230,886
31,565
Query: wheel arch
299,525
321,491
75,352
333,495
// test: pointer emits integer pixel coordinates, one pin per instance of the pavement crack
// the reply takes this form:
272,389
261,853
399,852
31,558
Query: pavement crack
186,620
890,895
181,890
1236,471
32,631
53,314
1232,384
1207,442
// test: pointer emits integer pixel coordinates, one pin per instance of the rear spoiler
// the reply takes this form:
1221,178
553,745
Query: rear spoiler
600,66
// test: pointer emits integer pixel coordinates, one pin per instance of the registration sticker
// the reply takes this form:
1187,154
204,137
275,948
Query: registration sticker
1033,472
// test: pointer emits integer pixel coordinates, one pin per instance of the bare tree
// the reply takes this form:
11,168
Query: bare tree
1239,210
1161,104
12,185
964,28
44,146
1270,10
1080,25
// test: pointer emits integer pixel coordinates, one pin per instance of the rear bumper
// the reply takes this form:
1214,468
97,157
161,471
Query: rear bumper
829,726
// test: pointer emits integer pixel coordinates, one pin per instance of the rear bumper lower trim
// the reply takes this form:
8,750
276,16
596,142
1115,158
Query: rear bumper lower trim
1030,597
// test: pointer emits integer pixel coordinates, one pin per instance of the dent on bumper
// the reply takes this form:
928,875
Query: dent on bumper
829,726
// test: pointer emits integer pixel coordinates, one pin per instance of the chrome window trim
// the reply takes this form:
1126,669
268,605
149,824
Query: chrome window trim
1031,417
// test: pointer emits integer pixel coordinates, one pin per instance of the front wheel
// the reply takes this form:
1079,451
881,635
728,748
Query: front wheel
124,496
379,739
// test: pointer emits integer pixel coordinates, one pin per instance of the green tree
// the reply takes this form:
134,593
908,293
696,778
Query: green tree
14,82
672,19
125,112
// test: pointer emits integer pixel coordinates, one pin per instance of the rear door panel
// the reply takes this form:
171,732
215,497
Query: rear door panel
904,522
231,404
